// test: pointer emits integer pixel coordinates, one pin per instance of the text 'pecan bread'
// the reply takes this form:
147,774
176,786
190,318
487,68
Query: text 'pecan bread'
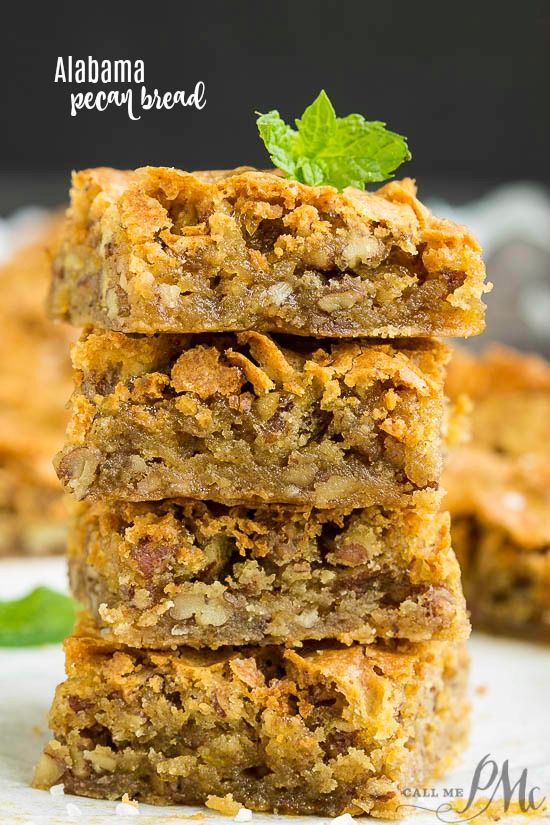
161,250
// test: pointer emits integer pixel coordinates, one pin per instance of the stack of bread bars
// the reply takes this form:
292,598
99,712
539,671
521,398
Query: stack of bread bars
274,614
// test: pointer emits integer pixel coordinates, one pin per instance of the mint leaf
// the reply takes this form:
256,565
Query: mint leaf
281,141
337,151
317,121
41,617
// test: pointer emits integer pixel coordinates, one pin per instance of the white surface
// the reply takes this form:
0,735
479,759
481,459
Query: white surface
511,720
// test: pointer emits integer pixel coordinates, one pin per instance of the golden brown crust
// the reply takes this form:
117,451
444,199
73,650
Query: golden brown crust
159,249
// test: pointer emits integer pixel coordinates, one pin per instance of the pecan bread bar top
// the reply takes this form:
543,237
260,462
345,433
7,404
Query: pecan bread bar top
243,418
500,508
510,395
35,382
161,250
321,731
177,573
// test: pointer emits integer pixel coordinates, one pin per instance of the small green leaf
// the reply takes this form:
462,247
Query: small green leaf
317,122
41,617
340,152
281,141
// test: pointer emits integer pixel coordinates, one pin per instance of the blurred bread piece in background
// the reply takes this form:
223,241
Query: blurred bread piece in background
35,385
510,396
499,490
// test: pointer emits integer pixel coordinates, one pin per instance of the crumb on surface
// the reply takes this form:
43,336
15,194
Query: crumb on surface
126,809
243,815
481,690
225,805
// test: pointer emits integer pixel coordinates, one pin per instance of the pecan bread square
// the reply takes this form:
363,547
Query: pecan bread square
509,393
499,489
171,573
317,731
500,509
35,383
247,418
162,250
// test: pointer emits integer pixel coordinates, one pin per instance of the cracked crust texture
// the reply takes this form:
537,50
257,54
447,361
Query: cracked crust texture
299,732
35,383
162,250
245,418
499,490
189,573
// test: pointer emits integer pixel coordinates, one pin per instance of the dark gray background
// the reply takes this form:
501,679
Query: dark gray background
466,82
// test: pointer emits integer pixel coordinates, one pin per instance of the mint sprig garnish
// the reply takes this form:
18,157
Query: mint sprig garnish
336,151
41,617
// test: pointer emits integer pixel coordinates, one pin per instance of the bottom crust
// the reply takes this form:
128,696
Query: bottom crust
324,731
